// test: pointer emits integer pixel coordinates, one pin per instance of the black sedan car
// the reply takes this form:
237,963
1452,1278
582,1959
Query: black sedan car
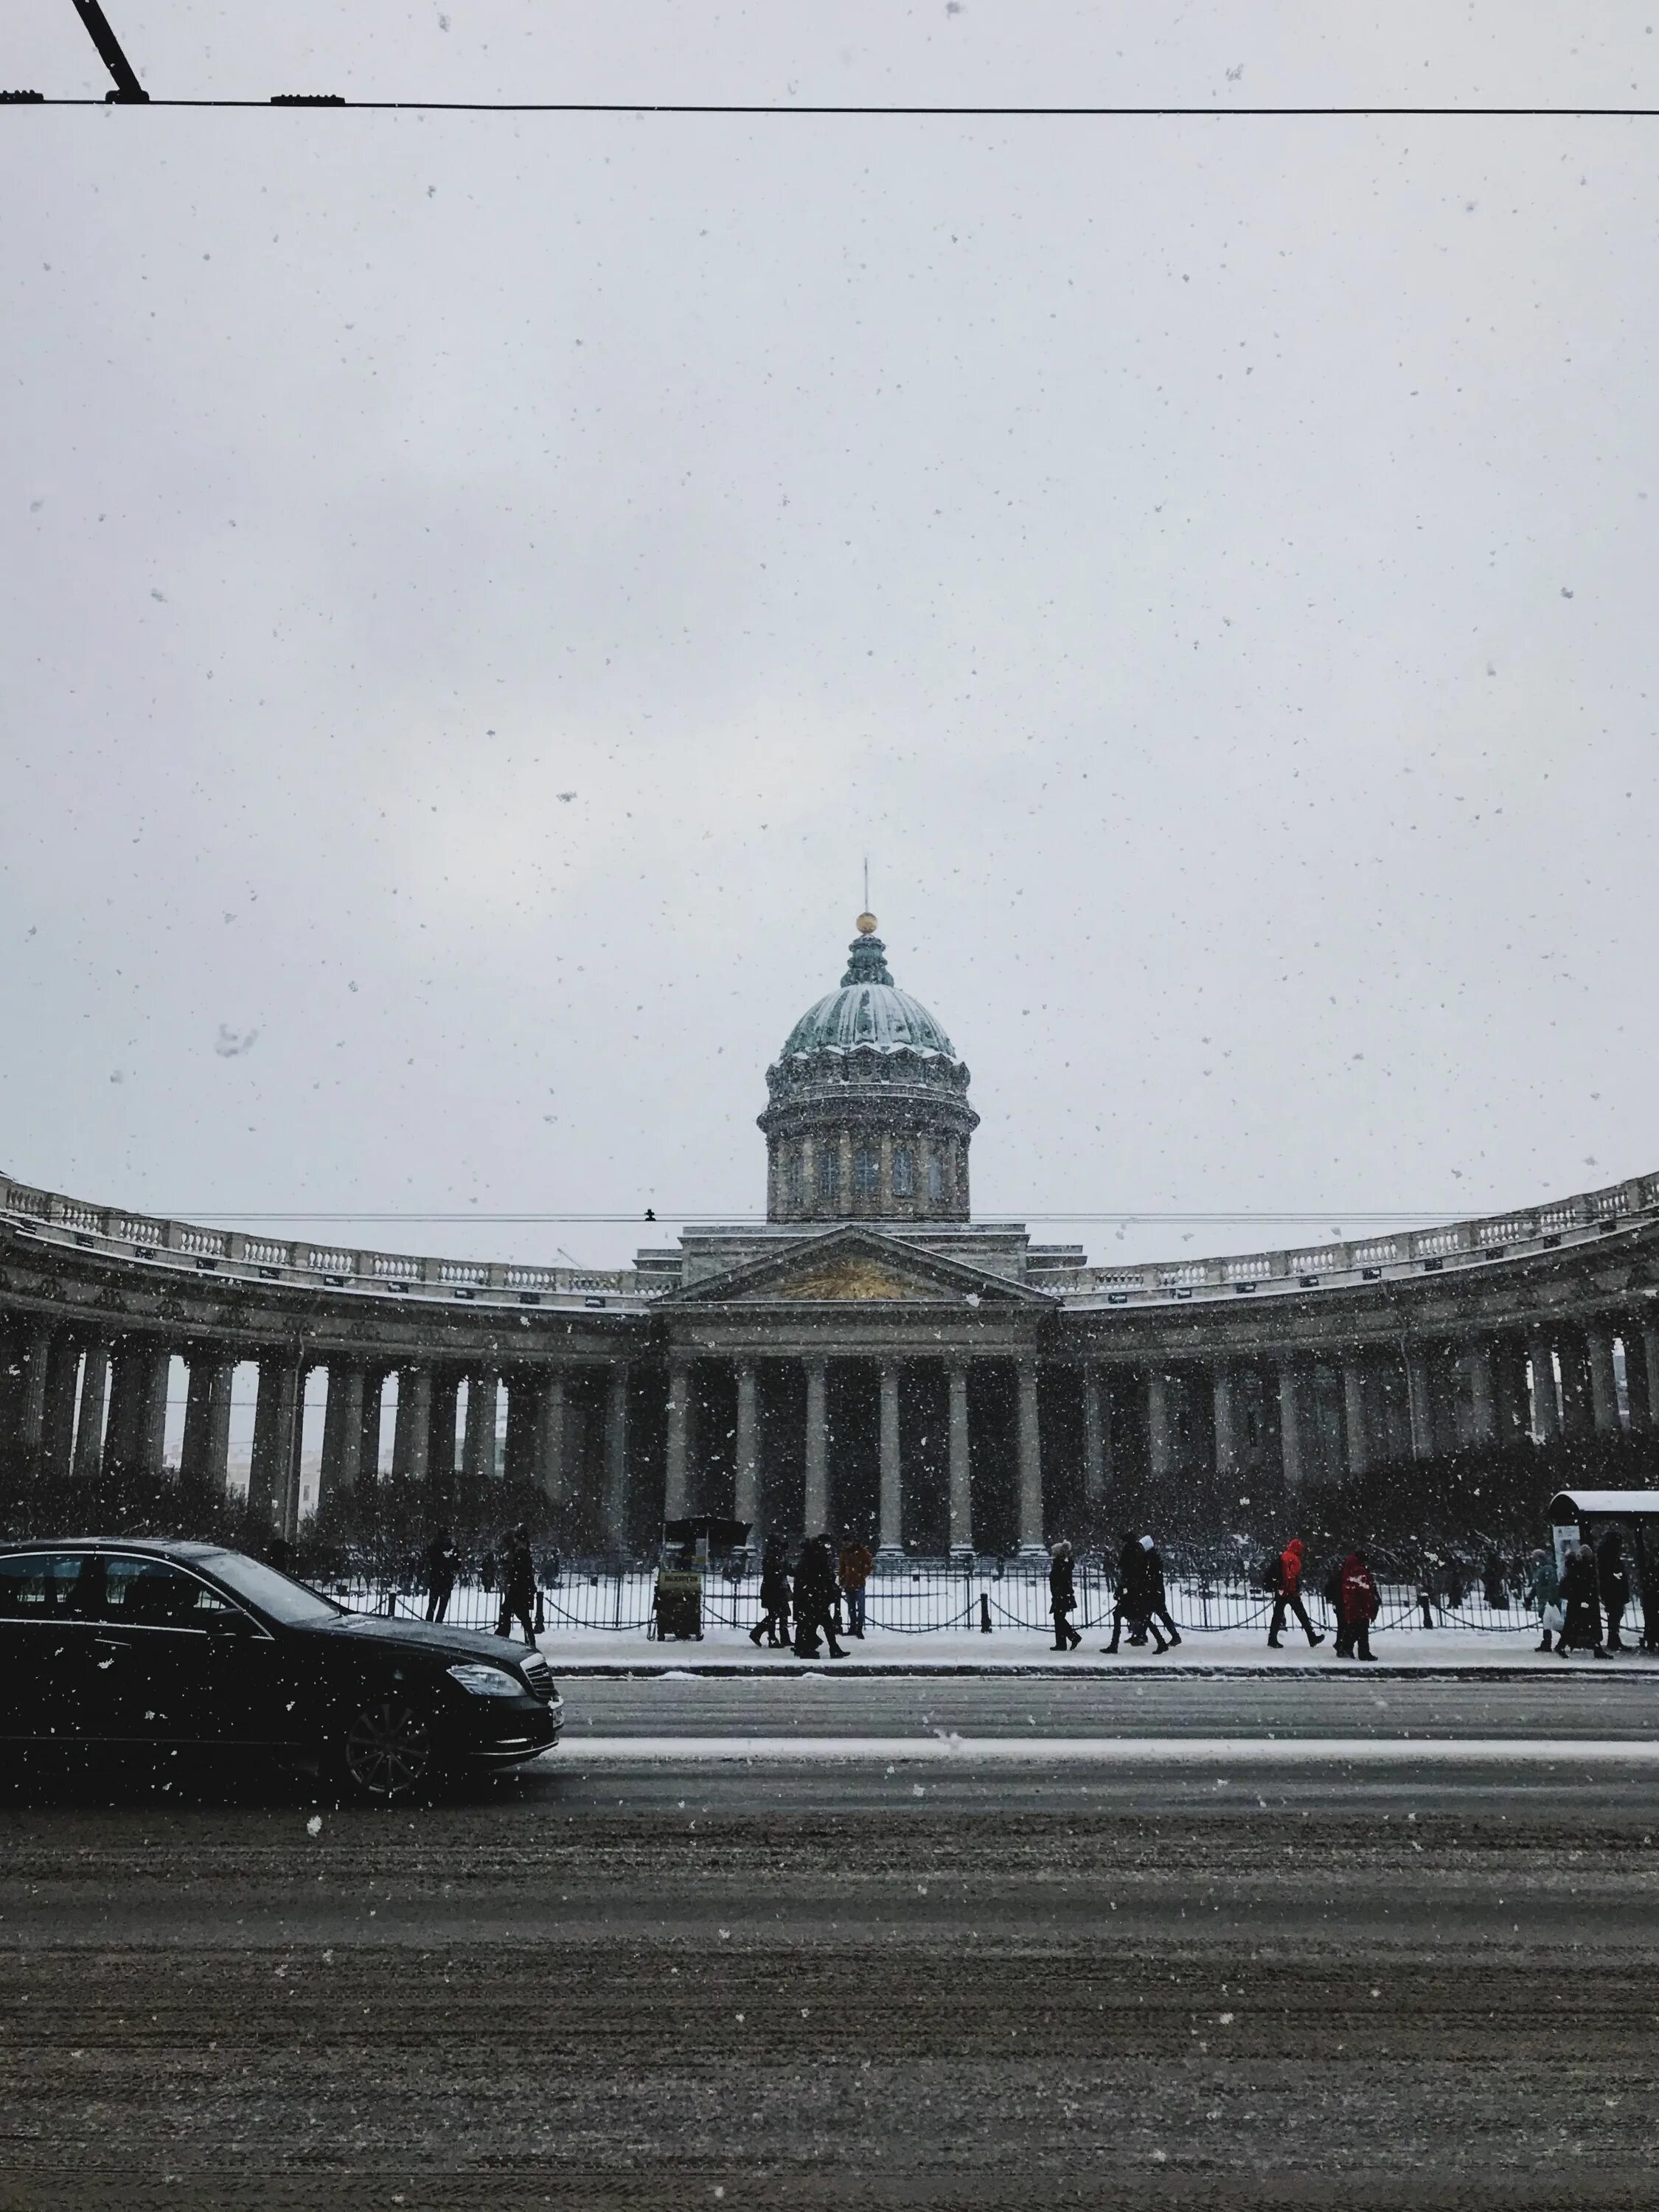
160,1646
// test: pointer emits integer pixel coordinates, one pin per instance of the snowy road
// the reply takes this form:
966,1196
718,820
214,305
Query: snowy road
1197,1975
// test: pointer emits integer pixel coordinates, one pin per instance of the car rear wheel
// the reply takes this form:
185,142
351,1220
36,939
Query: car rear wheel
388,1750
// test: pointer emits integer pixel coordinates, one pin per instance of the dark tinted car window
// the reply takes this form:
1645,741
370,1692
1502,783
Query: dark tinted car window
150,1594
35,1584
275,1593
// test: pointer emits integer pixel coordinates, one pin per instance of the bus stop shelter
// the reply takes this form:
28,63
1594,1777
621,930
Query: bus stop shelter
1587,1515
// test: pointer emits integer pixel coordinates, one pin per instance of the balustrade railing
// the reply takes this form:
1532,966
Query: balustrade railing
1473,1241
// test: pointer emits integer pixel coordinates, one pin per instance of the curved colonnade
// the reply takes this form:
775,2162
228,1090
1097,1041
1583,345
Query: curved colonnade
994,1412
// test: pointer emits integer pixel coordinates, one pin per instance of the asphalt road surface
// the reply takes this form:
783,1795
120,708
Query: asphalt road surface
1290,1943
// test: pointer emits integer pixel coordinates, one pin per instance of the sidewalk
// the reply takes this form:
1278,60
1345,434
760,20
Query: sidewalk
1012,1650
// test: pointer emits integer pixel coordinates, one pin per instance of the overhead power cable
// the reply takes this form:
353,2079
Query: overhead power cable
920,111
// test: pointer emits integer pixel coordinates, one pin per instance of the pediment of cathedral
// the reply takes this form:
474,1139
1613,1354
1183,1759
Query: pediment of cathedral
857,1265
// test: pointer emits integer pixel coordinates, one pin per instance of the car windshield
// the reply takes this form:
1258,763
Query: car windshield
273,1592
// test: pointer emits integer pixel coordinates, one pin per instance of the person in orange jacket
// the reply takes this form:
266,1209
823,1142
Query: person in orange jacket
1358,1606
1287,1596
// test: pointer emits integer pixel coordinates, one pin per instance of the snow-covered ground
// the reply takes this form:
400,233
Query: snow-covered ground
1012,1650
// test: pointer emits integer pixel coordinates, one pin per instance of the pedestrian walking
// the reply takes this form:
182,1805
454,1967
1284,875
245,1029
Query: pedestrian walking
1544,1597
855,1565
1580,1604
443,1564
1062,1597
1132,1600
1614,1582
518,1586
815,1599
1357,1606
1287,1596
1157,1607
774,1623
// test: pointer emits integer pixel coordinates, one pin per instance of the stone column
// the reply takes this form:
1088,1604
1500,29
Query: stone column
1578,1404
816,1486
1420,1399
675,1497
343,1430
552,1433
613,1510
1545,1403
1483,1401
1355,1435
89,1421
1030,1462
746,1504
440,1451
153,1407
1290,1425
892,1495
1604,1389
962,1486
32,1395
1509,1378
412,1439
1095,1439
1160,1423
205,1457
1224,1418
57,1422
478,1443
275,1430
888,1206
369,1448
1636,1378
1649,1358
846,1198
121,1434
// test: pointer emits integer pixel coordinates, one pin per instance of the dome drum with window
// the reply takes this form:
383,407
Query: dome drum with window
869,1116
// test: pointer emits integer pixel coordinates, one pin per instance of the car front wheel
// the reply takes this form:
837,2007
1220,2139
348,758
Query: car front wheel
388,1750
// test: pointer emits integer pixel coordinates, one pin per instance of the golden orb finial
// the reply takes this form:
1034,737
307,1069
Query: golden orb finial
866,925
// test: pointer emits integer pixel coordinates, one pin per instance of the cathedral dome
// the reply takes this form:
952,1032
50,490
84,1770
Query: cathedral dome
869,1011
868,1112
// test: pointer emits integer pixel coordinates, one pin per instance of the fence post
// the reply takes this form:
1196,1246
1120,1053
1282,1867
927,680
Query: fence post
620,1576
984,1613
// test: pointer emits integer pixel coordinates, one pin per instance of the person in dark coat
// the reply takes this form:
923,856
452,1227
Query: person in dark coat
442,1564
1287,1596
1157,1607
1062,1598
815,1599
774,1623
1357,1606
1581,1603
1614,1585
518,1586
1132,1601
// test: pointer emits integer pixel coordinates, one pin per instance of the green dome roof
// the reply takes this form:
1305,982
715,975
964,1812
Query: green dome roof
869,1013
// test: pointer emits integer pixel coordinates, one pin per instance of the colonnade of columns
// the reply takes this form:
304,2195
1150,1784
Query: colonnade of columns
79,1403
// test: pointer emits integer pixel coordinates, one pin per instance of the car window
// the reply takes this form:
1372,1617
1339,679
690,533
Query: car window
33,1584
295,1604
150,1594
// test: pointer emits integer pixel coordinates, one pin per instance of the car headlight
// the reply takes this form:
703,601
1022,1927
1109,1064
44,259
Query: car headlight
487,1681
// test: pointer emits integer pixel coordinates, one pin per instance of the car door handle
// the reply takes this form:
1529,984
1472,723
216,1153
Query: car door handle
112,1644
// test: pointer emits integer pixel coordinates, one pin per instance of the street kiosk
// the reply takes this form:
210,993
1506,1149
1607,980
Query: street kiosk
689,1548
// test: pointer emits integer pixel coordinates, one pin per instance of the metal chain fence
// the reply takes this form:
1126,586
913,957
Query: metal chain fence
927,1600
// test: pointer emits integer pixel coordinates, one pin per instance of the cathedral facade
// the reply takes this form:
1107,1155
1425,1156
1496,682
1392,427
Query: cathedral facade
871,1358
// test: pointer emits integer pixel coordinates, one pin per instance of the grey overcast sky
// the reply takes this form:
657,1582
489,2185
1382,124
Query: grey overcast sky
475,588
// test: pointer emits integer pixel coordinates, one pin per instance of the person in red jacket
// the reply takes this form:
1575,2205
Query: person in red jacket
1357,1607
1288,1597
